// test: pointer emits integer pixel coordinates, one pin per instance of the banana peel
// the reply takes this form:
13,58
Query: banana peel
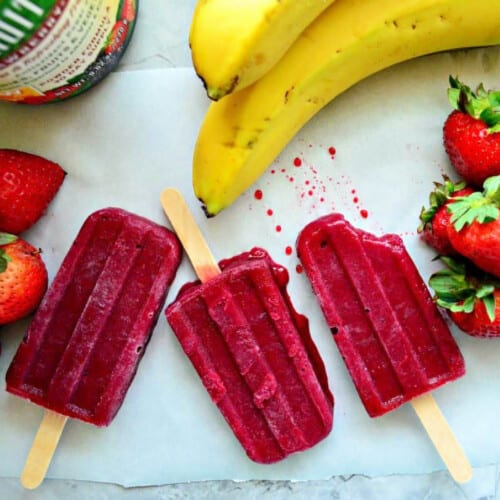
234,43
244,132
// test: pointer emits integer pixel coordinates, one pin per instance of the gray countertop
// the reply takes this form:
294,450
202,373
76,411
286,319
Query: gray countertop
161,41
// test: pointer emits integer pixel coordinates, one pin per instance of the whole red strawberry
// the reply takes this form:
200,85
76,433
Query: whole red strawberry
28,183
474,231
471,133
435,219
23,278
471,297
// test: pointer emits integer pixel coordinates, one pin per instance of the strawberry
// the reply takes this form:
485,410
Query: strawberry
474,231
434,223
23,278
471,133
470,297
28,184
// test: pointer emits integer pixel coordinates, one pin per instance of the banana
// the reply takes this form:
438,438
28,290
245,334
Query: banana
233,43
243,133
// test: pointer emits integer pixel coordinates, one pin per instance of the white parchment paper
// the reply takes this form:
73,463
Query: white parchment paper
133,135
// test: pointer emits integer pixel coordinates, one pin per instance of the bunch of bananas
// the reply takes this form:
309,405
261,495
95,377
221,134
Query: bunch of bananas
271,65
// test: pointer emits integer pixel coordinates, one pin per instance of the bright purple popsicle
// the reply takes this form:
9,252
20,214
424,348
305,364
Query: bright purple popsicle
395,343
83,347
255,356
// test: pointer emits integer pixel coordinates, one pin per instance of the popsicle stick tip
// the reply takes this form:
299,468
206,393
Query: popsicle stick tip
42,449
170,194
442,436
189,234
463,476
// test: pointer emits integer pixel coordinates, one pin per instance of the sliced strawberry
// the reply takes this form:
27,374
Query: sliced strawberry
474,231
28,184
23,278
470,296
435,219
471,133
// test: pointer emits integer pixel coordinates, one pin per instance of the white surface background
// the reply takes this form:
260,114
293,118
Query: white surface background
132,135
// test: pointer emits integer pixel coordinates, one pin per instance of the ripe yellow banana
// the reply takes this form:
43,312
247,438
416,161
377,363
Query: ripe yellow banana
233,43
244,132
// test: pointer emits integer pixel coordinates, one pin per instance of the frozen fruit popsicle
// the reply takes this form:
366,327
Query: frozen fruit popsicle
82,349
251,349
394,341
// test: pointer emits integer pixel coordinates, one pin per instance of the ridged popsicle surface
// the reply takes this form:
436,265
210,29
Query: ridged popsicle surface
82,349
395,343
255,356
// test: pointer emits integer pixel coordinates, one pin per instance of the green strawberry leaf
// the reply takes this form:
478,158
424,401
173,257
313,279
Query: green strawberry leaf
476,207
494,98
490,116
4,260
483,104
458,287
437,198
491,188
6,238
489,304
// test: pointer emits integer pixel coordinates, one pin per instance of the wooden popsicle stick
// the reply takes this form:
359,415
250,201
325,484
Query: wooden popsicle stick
187,230
43,448
441,435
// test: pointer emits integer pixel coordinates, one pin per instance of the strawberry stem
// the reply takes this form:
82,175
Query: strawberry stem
477,207
457,287
482,104
437,198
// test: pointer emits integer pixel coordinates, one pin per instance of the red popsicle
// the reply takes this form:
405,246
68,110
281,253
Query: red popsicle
252,351
394,341
83,347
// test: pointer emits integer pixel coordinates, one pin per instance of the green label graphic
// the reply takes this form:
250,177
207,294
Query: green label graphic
19,21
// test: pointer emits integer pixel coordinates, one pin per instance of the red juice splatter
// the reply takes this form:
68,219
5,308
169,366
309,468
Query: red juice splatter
364,213
291,179
278,228
299,269
288,250
258,194
297,162
310,192
332,150
355,199
269,212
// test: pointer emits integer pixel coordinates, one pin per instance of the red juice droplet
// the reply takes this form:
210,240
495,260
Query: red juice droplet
278,229
364,213
288,250
332,150
299,269
258,194
297,162
355,199
269,212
